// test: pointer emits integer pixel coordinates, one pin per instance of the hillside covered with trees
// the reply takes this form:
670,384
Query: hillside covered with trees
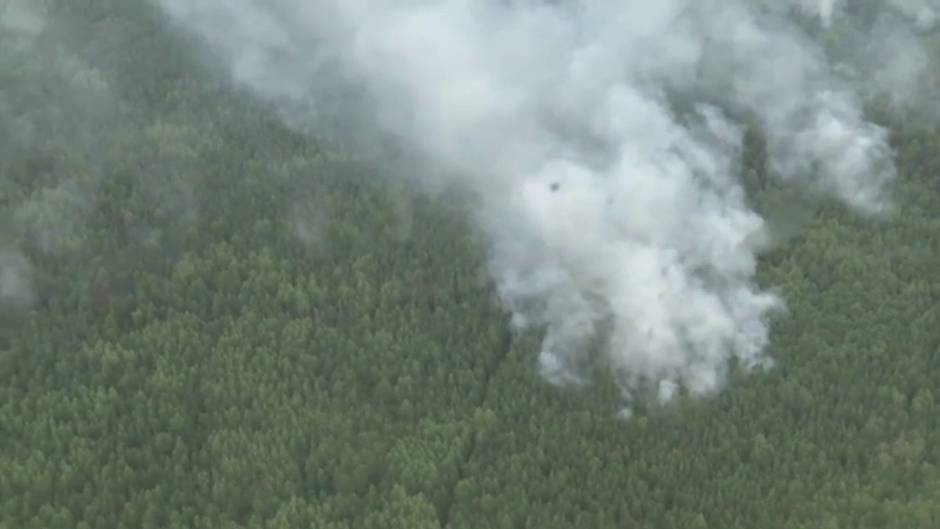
209,320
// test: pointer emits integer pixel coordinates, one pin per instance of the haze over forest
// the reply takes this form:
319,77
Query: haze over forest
469,264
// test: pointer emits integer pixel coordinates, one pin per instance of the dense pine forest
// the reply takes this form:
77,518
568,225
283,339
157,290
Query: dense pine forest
211,320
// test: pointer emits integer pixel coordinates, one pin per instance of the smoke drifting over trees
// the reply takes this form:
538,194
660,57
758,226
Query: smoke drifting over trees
290,301
601,142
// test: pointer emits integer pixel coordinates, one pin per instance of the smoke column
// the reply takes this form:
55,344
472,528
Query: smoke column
600,142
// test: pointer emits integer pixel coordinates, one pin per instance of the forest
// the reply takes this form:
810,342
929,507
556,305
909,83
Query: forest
210,319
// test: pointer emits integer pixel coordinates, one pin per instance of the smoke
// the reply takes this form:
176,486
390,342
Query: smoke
50,104
19,27
922,12
16,288
17,19
824,9
600,144
70,144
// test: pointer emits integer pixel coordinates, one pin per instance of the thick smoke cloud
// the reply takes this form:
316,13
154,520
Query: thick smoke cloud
600,142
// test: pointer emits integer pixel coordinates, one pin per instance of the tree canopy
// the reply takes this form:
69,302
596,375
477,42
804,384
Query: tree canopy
208,320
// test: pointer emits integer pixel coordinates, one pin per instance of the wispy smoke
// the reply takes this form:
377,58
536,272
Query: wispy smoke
600,141
48,104
65,134
16,288
922,12
16,18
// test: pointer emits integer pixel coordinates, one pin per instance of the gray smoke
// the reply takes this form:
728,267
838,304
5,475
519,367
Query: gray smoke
65,132
600,142
16,288
18,20
50,102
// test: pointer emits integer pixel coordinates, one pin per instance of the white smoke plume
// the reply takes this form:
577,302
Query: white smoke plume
600,142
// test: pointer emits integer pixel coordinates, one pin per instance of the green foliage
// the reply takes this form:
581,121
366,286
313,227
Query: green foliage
232,328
